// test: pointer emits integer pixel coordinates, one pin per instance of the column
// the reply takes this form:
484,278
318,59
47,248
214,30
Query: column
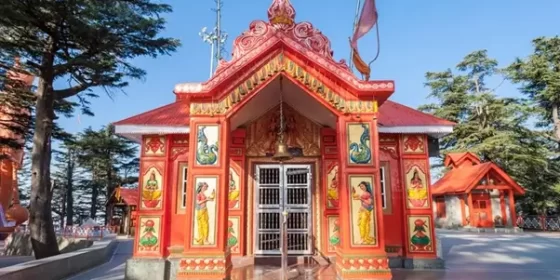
149,246
512,208
205,254
330,227
420,238
237,226
361,253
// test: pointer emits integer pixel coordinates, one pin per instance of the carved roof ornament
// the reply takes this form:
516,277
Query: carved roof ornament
281,14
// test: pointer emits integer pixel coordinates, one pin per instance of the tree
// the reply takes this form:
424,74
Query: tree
65,177
494,128
104,154
89,44
539,76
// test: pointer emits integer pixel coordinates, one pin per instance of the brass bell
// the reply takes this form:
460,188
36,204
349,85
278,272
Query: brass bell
282,153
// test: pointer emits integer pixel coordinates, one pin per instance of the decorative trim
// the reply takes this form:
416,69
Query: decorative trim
437,129
150,129
289,67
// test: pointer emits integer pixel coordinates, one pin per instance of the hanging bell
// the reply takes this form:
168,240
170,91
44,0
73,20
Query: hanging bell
282,153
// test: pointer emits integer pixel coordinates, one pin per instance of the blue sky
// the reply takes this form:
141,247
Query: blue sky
416,36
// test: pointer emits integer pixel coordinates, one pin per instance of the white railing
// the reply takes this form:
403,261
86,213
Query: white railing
544,223
89,233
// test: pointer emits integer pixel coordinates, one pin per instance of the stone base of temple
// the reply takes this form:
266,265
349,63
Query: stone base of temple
145,269
417,263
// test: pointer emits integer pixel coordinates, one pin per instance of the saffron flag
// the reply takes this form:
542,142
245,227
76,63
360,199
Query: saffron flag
367,21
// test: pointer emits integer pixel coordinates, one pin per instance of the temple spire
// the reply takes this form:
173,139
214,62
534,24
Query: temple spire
281,13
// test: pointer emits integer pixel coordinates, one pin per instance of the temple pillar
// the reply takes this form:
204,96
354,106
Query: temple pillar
149,250
206,254
330,227
237,227
420,238
361,253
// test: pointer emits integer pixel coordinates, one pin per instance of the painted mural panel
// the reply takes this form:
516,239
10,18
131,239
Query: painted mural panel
233,234
362,210
359,145
332,185
333,229
152,189
413,144
154,146
149,235
302,136
420,234
205,219
416,185
234,190
208,137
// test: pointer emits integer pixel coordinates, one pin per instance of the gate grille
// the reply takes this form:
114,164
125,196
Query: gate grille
294,197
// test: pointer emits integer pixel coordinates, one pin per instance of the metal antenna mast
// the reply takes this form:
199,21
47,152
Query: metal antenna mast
216,38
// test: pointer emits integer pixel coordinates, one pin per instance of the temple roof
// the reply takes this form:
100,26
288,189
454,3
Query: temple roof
466,178
130,197
264,41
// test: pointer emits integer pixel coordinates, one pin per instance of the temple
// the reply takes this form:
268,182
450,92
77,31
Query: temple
11,156
474,194
354,186
121,206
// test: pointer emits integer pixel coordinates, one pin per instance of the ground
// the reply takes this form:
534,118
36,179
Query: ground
480,256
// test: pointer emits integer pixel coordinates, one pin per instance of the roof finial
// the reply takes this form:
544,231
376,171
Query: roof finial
281,13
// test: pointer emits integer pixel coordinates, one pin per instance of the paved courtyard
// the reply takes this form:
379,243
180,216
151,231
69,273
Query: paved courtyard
480,256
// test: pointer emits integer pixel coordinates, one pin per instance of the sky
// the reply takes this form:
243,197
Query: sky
415,37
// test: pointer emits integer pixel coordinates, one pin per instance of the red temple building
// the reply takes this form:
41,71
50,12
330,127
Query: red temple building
122,205
11,212
355,189
474,194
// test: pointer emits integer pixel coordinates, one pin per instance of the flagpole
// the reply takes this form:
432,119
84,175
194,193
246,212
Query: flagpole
378,45
356,17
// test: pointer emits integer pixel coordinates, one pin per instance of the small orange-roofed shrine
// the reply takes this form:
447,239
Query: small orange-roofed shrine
474,194
121,206
283,126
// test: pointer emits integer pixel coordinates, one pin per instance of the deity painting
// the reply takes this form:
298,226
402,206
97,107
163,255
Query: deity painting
149,234
151,189
205,211
420,234
362,210
359,149
334,233
233,235
207,145
234,193
332,186
416,188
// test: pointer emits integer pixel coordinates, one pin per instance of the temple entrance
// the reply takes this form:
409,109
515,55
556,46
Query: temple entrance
277,188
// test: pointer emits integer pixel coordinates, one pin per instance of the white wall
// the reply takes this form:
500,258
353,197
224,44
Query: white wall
454,213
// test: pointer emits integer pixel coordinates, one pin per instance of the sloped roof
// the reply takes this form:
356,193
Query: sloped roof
458,158
391,114
129,196
466,178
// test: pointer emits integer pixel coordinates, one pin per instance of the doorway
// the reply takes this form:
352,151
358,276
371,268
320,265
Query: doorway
281,187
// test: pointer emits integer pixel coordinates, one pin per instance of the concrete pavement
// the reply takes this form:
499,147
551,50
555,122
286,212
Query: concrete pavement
469,256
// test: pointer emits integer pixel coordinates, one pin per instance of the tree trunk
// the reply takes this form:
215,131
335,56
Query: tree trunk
63,211
70,189
43,237
110,187
94,195
556,120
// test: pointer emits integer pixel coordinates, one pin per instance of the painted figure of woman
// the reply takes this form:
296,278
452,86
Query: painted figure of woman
233,196
417,192
203,225
365,212
332,193
151,192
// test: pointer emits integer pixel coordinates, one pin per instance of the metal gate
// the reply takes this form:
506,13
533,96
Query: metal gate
283,187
